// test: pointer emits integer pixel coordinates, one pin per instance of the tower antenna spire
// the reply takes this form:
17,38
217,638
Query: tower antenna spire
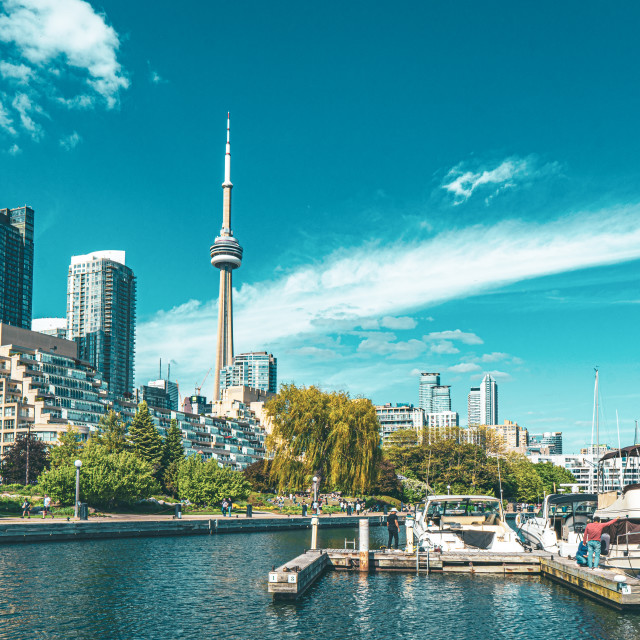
227,157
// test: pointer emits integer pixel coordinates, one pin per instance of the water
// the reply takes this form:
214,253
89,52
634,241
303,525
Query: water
215,587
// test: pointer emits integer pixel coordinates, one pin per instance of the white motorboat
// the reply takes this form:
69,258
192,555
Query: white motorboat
459,522
560,524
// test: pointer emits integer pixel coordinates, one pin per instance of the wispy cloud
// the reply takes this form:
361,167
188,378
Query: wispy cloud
54,48
156,78
338,293
462,182
14,150
71,141
464,367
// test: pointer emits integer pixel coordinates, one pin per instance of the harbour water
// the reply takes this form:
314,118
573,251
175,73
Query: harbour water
215,587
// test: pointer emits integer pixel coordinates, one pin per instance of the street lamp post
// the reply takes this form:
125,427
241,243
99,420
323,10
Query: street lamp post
448,489
315,491
78,464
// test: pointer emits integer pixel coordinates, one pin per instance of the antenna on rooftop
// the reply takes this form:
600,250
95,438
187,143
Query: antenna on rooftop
160,370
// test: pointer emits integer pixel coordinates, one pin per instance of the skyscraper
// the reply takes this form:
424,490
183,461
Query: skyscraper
425,394
473,407
483,403
257,369
101,315
488,400
226,255
16,266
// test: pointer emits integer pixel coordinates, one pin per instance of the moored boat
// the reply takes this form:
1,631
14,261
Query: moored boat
459,522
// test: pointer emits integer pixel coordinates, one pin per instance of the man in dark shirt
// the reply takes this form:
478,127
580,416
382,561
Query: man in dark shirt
581,554
392,525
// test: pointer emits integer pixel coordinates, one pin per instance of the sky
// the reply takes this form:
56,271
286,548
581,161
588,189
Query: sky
445,187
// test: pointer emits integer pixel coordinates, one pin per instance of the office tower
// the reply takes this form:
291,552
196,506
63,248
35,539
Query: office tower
488,400
551,439
473,407
425,394
441,400
56,327
170,388
101,315
16,266
226,255
257,369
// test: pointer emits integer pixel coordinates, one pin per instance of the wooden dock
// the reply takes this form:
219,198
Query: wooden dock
292,579
599,584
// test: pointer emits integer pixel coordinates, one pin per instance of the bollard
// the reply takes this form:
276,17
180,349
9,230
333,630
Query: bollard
314,533
364,545
249,511
304,510
409,522
178,511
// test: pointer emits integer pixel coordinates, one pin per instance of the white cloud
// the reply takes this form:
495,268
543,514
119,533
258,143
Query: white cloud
494,357
500,375
506,175
349,286
19,72
384,344
404,322
315,352
14,150
71,141
156,78
51,49
6,121
461,336
464,367
443,347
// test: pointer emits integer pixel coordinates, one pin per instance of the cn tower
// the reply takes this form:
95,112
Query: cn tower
226,255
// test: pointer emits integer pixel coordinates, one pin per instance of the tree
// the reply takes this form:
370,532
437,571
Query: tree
112,433
522,482
387,482
325,434
258,476
173,451
67,449
14,462
145,440
106,479
553,476
206,483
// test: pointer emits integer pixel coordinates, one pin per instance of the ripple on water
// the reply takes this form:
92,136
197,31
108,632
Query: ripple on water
215,586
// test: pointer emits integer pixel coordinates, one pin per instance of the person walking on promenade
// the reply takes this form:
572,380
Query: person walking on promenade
229,506
46,506
26,508
225,504
592,536
358,507
392,525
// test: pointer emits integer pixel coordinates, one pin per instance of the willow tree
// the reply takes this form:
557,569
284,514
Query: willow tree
328,435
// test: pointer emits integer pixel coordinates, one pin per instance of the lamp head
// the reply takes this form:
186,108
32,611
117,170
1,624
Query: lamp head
315,478
78,463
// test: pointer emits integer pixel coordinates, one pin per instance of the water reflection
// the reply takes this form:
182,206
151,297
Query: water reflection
216,586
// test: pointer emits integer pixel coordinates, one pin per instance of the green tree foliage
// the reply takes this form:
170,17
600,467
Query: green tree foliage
67,449
112,433
258,476
14,462
325,434
145,440
521,481
206,483
173,450
106,479
387,482
553,476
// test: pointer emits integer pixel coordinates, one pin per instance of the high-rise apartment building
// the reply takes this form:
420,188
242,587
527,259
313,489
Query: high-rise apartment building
483,403
170,388
428,381
258,370
101,315
551,439
473,407
16,266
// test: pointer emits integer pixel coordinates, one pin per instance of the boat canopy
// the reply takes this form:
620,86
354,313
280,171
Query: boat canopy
632,451
569,498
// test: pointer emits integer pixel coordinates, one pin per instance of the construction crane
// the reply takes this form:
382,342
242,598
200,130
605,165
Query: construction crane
198,388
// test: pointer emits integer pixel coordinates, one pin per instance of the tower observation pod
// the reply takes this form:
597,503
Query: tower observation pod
226,255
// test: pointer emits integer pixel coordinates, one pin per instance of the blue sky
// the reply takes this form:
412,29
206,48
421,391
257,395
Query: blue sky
448,187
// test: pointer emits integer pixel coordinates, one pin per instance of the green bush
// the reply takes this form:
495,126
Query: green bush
206,483
382,500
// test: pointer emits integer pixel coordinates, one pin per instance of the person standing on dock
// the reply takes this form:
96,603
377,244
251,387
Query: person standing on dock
392,525
592,536
46,506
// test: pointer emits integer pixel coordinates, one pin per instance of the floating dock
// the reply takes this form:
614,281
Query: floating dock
609,586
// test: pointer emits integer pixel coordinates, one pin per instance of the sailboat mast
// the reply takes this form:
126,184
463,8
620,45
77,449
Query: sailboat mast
620,453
